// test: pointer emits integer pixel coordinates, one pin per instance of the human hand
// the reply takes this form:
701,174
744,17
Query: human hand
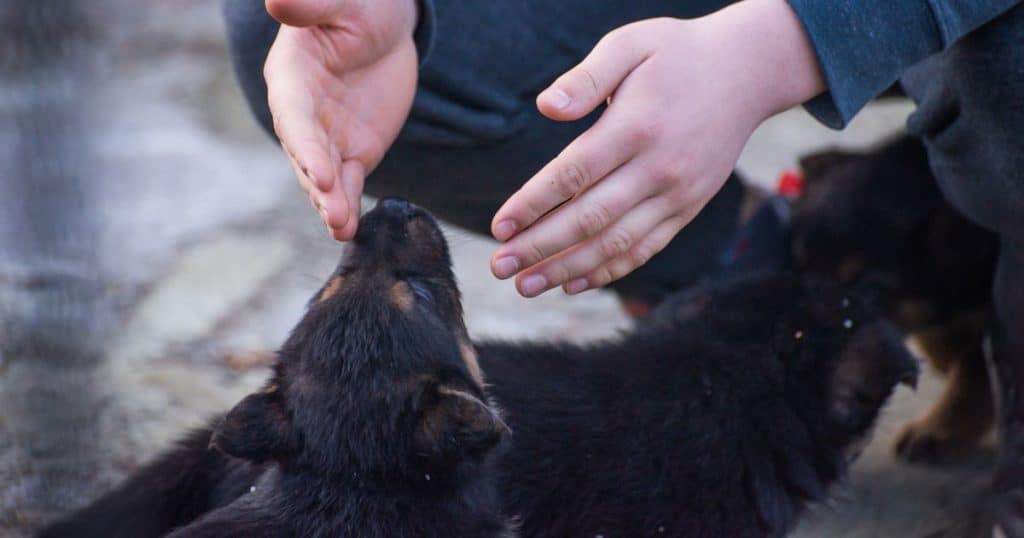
341,76
684,98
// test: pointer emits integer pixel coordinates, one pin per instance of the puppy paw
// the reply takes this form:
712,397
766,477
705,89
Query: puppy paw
923,443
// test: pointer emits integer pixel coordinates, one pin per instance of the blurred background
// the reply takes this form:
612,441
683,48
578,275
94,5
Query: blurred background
154,246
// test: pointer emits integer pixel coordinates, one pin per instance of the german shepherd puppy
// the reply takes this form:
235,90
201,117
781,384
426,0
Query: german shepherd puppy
721,415
373,424
878,221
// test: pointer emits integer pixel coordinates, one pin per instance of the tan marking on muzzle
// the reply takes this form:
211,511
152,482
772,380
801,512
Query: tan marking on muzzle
468,353
402,296
331,288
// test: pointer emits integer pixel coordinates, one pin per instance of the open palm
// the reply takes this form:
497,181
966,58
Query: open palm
341,76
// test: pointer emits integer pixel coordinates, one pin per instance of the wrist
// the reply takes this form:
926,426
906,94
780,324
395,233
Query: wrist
775,59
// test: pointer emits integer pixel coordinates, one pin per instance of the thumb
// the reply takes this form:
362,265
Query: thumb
303,12
581,89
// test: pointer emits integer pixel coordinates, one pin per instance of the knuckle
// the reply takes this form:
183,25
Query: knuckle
601,277
558,274
643,133
615,242
592,219
588,83
535,253
614,273
622,38
641,255
570,179
621,268
677,197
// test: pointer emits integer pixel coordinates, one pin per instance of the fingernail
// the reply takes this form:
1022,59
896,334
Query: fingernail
534,284
504,230
506,267
559,99
576,286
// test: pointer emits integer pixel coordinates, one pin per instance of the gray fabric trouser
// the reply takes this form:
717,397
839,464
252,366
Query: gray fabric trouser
971,116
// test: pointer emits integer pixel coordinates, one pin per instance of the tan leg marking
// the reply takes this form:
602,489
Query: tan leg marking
964,412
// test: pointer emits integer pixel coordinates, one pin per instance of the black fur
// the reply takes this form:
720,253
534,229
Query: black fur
720,416
877,220
174,490
371,424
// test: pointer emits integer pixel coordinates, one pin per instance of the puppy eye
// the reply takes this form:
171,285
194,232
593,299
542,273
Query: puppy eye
421,290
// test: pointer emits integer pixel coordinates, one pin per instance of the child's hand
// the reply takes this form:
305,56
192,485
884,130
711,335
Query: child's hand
340,82
685,97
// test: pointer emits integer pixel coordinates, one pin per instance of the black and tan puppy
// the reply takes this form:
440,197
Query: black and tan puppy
877,220
722,415
719,416
373,424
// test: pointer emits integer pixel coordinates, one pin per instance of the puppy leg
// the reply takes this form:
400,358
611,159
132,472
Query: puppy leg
169,492
964,412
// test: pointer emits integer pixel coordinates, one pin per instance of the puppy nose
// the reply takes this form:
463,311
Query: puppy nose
396,206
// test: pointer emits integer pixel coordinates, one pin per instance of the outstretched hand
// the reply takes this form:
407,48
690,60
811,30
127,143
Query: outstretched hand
684,98
341,76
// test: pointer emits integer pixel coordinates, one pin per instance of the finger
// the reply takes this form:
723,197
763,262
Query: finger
613,140
581,89
296,122
303,12
315,196
577,221
304,181
615,241
640,254
336,208
353,176
333,206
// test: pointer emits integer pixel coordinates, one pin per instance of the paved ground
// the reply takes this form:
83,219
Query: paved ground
153,234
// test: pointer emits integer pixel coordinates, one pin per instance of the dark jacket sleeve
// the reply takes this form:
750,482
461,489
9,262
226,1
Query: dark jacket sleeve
863,46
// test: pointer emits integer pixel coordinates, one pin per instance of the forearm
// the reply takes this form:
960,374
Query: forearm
863,46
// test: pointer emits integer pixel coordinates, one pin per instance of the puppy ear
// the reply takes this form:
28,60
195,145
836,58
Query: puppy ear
817,165
257,429
454,424
874,360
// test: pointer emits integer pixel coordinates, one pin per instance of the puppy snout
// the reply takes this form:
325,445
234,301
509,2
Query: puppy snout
396,207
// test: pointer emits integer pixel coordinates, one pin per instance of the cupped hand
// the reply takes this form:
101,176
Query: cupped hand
341,76
684,97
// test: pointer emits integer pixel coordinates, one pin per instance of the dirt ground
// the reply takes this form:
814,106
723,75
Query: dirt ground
199,249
